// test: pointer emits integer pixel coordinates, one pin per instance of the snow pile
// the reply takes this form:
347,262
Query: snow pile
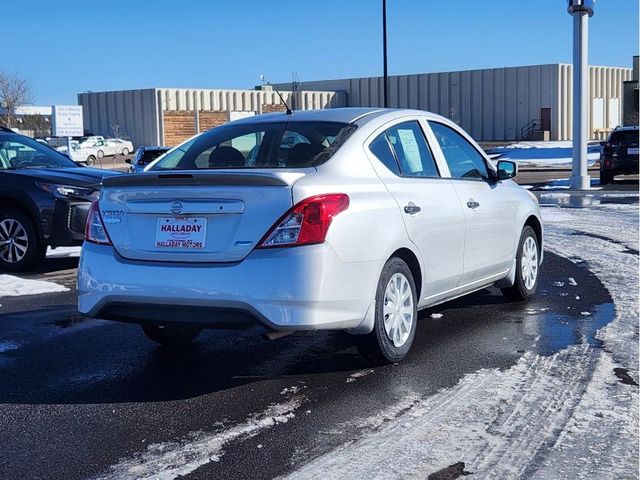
542,154
11,286
564,416
63,252
175,459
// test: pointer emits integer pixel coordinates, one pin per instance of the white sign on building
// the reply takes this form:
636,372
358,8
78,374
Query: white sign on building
66,121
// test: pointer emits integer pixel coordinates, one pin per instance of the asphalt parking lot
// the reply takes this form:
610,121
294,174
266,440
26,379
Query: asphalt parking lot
79,394
95,399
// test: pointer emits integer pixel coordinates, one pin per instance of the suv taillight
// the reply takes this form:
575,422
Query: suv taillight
94,230
306,223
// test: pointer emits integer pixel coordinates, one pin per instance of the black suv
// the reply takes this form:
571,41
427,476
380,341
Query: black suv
619,154
44,200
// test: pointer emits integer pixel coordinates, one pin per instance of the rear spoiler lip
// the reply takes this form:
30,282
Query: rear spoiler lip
209,178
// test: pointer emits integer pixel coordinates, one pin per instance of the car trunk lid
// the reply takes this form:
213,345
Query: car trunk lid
194,216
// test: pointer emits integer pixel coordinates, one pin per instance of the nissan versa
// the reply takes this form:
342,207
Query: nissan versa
343,219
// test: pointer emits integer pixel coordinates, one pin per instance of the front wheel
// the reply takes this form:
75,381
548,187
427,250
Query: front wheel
20,245
395,317
125,151
165,335
527,267
91,160
100,154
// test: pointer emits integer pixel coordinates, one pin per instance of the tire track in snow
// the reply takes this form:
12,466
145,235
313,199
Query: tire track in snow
169,460
538,418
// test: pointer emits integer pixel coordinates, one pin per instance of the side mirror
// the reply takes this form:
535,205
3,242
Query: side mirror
507,169
127,160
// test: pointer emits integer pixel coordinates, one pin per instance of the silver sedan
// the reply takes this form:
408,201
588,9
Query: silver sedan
347,219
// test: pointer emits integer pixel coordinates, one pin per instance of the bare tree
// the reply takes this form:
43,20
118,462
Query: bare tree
14,93
116,130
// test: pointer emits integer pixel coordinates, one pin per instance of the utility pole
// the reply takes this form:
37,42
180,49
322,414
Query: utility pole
581,10
384,53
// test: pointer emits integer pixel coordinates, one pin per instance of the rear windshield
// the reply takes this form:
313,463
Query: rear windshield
624,136
149,156
259,145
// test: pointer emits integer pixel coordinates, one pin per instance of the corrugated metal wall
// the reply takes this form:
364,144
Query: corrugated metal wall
134,111
139,113
491,104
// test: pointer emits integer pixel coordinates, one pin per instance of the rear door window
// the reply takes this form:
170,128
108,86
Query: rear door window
382,150
411,150
463,159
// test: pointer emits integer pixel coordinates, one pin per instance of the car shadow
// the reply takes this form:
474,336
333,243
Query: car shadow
56,356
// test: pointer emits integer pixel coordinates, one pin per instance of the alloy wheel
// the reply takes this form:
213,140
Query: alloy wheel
529,263
398,309
14,241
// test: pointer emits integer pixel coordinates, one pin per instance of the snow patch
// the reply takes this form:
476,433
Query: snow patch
436,315
8,345
563,416
360,374
169,460
11,286
63,252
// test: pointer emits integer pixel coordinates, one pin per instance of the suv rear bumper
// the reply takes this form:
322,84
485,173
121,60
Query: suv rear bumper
302,288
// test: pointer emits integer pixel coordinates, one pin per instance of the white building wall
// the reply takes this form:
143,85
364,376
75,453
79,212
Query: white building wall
491,104
139,112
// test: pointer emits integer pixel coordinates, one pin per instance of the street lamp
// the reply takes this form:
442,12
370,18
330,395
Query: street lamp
581,10
384,53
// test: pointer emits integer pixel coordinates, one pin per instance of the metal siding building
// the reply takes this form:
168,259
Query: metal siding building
166,116
497,103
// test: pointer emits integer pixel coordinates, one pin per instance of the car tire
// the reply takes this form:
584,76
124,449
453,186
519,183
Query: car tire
527,267
100,153
606,177
393,331
125,151
17,226
91,160
170,335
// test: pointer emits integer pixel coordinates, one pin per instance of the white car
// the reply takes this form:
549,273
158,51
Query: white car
109,147
116,146
82,154
370,216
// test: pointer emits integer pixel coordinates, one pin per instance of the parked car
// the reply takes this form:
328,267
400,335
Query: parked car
619,154
373,215
44,200
83,154
118,146
144,156
90,140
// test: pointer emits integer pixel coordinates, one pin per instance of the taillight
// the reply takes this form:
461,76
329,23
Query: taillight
94,230
306,223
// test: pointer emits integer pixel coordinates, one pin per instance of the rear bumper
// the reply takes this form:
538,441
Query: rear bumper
621,165
304,288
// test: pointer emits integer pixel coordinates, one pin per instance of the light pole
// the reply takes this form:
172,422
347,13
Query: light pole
384,53
581,10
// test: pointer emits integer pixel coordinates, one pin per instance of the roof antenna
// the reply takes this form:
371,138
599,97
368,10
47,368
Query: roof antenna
266,82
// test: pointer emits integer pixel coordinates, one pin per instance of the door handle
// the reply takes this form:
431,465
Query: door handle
473,205
411,208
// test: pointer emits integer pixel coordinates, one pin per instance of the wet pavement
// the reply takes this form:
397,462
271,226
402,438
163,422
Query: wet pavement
79,394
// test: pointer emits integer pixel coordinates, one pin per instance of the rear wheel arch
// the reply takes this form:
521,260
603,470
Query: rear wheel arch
413,263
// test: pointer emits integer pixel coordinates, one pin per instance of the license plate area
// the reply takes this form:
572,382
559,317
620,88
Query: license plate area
181,233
